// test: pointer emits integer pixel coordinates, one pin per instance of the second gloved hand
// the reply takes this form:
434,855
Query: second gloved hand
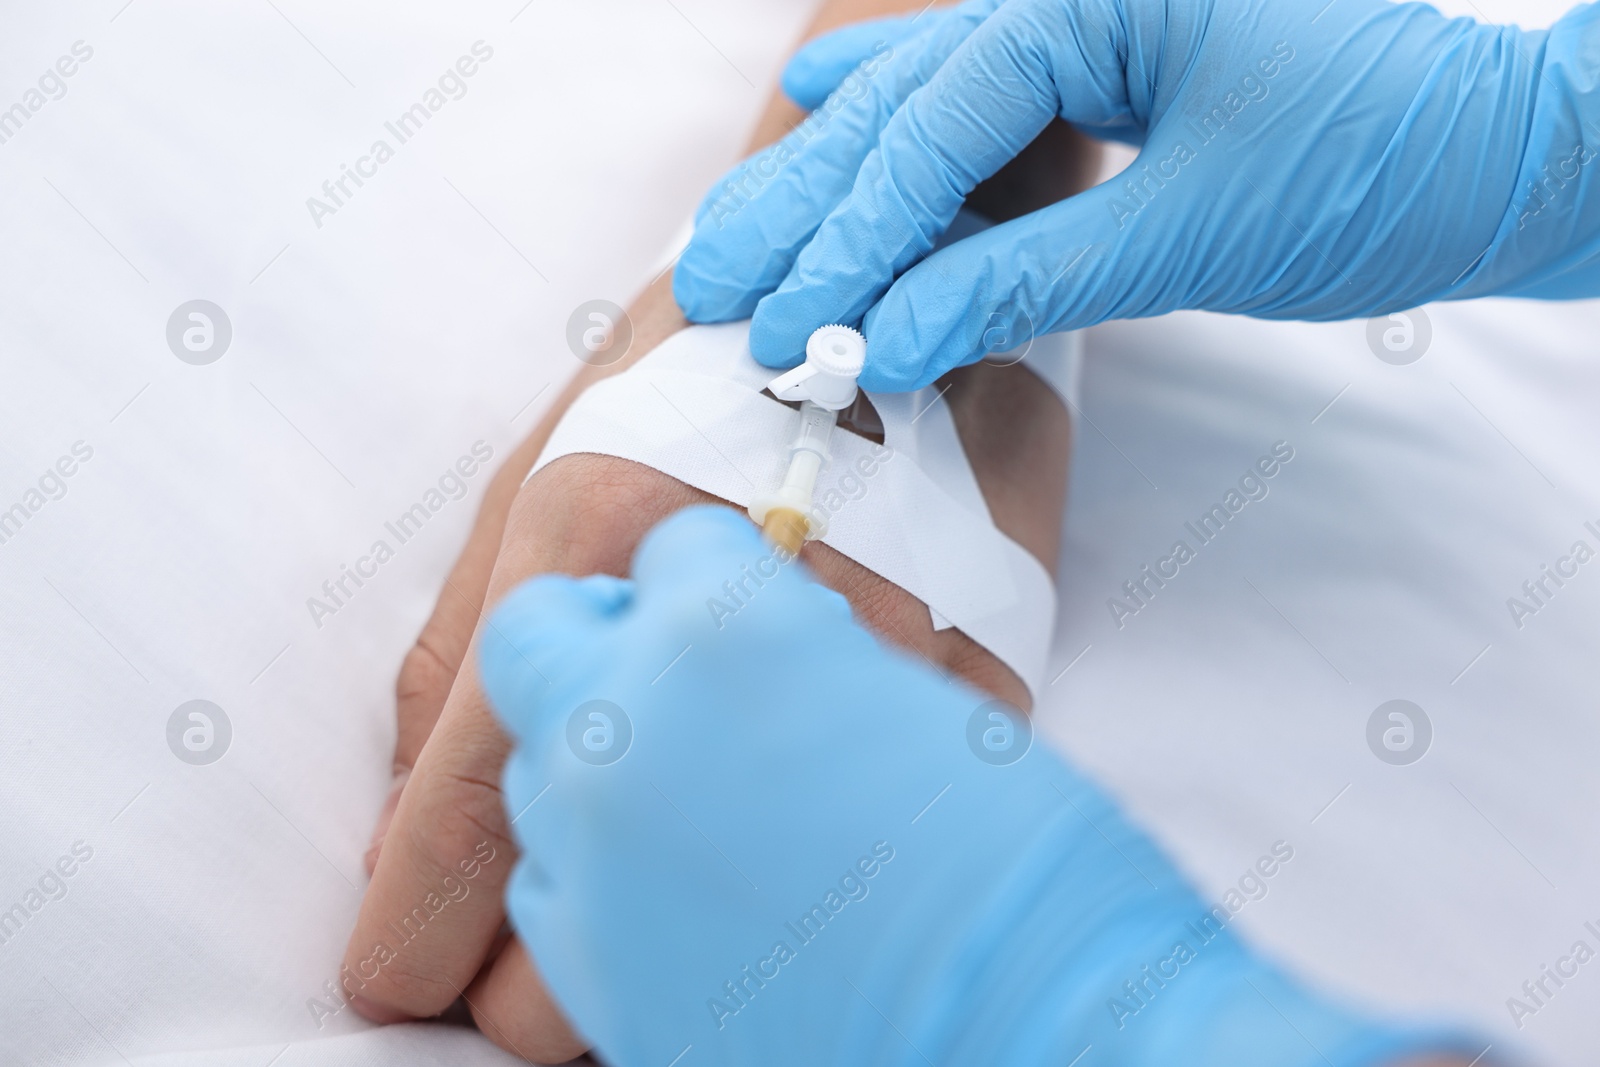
1297,160
752,835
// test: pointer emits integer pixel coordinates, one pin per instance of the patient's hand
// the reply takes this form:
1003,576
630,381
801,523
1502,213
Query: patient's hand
586,514
447,940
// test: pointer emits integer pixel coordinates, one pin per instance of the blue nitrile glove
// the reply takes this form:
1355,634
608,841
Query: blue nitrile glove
877,65
823,65
1297,160
752,835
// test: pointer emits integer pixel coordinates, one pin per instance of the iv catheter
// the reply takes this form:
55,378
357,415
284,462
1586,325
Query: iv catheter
825,384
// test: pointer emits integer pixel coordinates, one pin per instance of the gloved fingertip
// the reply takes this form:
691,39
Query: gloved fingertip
704,293
778,355
834,602
774,341
529,610
899,356
532,633
513,685
695,544
689,292
805,83
818,67
881,379
889,367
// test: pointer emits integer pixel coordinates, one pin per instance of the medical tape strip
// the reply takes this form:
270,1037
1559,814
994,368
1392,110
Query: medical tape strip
910,510
1056,359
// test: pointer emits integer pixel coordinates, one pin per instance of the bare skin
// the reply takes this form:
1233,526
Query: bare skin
586,514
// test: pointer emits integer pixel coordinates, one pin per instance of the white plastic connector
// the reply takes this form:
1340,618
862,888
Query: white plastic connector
834,358
807,456
824,384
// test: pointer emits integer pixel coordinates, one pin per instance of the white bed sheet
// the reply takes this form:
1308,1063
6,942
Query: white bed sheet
427,314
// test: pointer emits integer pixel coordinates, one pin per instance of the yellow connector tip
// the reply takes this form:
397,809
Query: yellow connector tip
786,528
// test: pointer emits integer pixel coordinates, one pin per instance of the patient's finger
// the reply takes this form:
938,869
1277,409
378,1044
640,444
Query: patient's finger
578,518
510,1003
429,669
433,907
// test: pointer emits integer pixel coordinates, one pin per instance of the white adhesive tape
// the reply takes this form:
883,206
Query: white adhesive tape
909,510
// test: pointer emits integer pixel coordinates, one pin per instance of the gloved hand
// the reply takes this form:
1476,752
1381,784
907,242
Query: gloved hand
751,835
1297,161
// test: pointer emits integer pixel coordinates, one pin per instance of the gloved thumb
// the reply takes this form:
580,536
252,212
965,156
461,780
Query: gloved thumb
692,555
535,636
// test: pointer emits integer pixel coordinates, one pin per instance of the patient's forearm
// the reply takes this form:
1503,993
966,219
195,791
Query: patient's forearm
1016,435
